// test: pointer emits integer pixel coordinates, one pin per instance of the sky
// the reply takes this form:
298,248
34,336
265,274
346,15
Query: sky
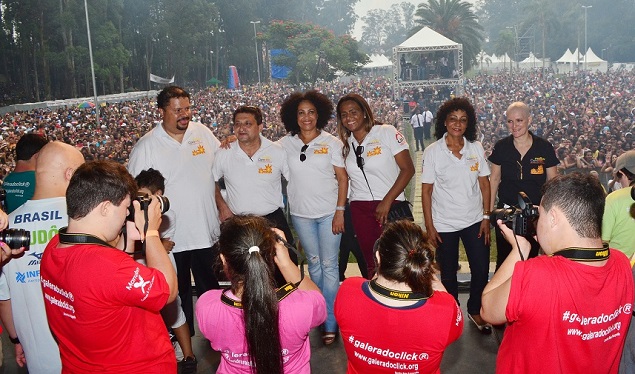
362,7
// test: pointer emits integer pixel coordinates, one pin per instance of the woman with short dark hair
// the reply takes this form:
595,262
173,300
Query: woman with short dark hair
402,318
455,196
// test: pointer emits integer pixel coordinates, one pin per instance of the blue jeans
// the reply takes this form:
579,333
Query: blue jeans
477,256
322,249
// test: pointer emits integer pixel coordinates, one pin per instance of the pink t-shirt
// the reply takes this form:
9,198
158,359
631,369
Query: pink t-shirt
224,326
103,308
567,317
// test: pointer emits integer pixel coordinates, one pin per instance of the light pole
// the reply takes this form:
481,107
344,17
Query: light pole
585,7
256,43
92,66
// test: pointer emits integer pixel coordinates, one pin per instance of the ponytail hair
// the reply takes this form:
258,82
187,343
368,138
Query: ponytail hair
248,245
406,256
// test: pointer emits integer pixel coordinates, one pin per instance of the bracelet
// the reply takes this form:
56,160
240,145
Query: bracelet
340,207
14,340
486,213
150,233
486,216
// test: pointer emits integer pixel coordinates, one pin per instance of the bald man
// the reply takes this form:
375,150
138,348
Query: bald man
23,315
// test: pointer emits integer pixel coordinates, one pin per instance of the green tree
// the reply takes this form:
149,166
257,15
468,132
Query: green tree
385,29
505,44
541,14
455,20
317,52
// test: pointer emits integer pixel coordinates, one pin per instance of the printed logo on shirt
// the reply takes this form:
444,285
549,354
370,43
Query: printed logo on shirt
474,167
268,169
27,276
537,166
138,283
400,138
321,151
37,259
264,159
374,152
199,150
37,216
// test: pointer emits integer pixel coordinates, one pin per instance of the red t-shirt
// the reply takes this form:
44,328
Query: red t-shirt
103,308
382,339
567,317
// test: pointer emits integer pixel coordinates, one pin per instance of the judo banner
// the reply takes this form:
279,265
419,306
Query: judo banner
161,80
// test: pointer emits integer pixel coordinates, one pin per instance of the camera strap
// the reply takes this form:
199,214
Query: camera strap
585,254
396,294
66,238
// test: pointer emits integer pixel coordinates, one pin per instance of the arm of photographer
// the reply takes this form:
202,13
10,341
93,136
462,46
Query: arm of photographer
496,292
156,256
289,270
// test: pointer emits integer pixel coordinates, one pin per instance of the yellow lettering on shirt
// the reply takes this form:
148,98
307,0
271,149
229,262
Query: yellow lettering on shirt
266,170
374,152
199,150
321,151
474,167
538,170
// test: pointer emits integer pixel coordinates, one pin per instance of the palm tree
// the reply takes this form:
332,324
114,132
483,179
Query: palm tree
455,20
482,57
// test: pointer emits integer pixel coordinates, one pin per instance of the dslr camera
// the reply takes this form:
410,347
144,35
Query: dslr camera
520,219
144,201
16,238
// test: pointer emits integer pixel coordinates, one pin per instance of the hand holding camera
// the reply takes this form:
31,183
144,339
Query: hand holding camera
148,210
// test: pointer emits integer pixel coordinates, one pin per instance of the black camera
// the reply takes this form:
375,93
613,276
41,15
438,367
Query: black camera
521,219
144,201
3,199
16,238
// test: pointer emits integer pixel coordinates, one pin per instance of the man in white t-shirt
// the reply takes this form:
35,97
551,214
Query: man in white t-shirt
252,169
183,151
427,123
43,215
417,126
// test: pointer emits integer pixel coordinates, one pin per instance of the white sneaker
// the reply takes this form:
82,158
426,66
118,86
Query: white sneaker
177,351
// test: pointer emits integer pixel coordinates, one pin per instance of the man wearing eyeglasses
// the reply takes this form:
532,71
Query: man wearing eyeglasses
618,224
252,168
183,151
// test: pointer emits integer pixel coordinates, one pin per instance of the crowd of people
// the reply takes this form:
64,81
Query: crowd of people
484,152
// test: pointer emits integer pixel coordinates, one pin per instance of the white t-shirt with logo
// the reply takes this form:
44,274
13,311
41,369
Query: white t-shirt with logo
313,187
253,185
381,145
43,218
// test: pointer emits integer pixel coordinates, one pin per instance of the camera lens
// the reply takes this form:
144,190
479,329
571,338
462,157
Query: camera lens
16,238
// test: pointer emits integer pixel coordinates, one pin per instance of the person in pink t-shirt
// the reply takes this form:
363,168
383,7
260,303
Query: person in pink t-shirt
256,328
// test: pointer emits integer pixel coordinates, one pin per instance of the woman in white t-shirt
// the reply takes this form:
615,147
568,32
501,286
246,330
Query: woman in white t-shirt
317,191
379,166
455,194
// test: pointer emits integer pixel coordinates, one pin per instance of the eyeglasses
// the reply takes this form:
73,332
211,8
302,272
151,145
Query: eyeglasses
303,152
359,150
520,170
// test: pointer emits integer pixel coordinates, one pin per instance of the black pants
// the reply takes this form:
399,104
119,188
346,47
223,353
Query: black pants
426,130
201,264
278,220
348,244
419,137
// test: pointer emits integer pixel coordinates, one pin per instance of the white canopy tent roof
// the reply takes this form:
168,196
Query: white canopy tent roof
378,61
566,57
592,57
427,40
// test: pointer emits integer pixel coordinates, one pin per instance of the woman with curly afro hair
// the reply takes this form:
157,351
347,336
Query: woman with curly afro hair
455,194
317,190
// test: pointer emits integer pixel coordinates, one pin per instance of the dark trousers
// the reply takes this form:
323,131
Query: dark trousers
426,130
503,248
477,256
278,220
348,244
201,264
367,229
419,137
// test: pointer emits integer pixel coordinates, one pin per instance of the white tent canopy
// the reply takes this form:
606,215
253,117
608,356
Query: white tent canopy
566,57
378,61
428,46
